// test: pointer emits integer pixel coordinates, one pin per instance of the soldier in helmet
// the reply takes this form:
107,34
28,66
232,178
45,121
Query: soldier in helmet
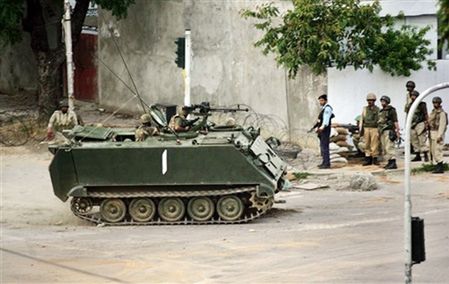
438,125
60,120
180,123
369,124
410,86
389,131
419,129
146,129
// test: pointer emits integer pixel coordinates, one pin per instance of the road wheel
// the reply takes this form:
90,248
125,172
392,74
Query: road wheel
230,208
142,209
81,205
171,209
200,208
112,210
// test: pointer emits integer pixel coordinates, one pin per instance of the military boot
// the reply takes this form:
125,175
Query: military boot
417,158
426,156
368,161
439,168
391,165
375,161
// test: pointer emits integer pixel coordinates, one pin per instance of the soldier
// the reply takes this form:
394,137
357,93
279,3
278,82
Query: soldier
145,130
180,123
323,129
357,139
369,120
419,129
389,131
60,120
410,85
438,125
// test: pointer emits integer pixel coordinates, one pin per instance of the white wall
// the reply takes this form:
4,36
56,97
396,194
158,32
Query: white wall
348,88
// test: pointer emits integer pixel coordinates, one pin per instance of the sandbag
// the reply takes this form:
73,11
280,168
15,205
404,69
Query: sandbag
342,137
333,132
342,130
333,146
342,144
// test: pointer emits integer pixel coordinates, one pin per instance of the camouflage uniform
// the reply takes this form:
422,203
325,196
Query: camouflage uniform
358,140
438,126
387,119
177,121
60,121
418,131
370,117
145,130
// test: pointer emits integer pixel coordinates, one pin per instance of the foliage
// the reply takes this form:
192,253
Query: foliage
428,168
11,13
118,8
443,18
339,33
301,175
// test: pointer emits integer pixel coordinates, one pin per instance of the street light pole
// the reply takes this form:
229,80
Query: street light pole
188,57
407,196
68,51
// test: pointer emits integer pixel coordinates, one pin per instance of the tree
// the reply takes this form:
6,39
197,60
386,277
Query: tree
42,19
443,17
339,33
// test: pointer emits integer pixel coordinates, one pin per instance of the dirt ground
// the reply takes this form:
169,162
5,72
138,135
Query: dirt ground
316,236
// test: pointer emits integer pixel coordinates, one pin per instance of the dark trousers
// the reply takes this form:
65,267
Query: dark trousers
324,145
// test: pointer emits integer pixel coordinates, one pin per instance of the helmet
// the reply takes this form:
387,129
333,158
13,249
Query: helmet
145,118
386,99
371,96
64,103
230,122
437,100
410,84
414,93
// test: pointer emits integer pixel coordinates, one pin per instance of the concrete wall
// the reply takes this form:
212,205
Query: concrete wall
227,69
348,88
18,70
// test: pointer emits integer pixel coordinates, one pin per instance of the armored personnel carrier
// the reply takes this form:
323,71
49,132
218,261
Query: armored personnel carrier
214,175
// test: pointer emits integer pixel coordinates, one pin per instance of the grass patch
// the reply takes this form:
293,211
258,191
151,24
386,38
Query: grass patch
428,168
301,175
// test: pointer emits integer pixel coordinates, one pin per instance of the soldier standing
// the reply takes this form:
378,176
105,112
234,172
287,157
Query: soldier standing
60,120
438,125
410,85
419,129
324,130
389,131
369,123
146,129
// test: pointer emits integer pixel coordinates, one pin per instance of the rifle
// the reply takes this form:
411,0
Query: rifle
204,108
317,124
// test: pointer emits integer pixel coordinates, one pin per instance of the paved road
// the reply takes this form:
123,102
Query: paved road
317,236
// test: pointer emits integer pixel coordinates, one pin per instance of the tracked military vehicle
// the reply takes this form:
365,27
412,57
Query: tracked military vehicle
214,175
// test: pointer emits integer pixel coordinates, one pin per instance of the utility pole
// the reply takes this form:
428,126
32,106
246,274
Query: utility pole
67,27
188,57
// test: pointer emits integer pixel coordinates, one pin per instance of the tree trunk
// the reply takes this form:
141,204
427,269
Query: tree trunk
49,81
50,58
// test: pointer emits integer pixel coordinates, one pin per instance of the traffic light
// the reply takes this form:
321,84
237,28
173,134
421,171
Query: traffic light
180,52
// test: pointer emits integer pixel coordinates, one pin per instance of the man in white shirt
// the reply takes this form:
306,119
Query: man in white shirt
61,119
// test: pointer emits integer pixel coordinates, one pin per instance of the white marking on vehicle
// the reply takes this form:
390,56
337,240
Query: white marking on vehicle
164,162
